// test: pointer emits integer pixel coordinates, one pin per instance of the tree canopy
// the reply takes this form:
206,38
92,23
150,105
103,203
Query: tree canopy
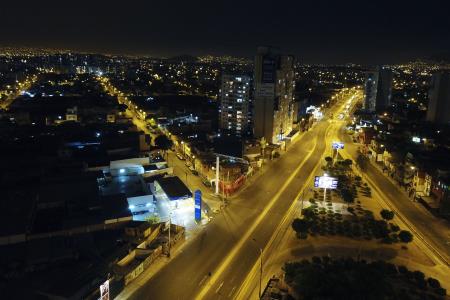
387,214
346,278
163,142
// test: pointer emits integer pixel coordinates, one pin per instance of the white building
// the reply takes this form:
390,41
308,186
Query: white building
234,104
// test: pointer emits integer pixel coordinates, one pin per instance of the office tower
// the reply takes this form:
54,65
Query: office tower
234,104
439,99
274,95
378,89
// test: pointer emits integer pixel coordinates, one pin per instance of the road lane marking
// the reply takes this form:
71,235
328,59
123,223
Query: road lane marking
202,281
232,291
247,234
220,286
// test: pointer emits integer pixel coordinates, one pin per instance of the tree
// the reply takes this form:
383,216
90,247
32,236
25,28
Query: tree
163,142
434,283
405,236
153,219
347,195
361,162
309,213
300,225
387,214
347,163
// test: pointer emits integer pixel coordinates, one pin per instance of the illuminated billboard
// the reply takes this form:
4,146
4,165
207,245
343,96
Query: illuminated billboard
325,182
338,145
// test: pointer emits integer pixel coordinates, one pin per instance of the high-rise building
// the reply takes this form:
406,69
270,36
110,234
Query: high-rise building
439,99
274,95
378,89
235,99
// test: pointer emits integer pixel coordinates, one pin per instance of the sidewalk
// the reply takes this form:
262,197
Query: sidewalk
154,268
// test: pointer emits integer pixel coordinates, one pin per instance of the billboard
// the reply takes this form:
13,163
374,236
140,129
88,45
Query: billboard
104,290
338,145
198,205
325,182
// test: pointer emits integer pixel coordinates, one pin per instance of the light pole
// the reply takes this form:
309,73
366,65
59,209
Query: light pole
170,225
260,268
263,145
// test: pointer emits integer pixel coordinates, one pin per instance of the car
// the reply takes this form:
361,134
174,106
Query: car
180,157
206,183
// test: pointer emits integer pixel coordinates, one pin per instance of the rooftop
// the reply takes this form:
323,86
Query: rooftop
174,188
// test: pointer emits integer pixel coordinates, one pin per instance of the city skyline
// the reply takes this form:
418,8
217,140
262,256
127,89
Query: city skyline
371,34
233,150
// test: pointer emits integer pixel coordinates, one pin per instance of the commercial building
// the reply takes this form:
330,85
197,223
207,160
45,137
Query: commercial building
439,99
274,95
378,89
235,100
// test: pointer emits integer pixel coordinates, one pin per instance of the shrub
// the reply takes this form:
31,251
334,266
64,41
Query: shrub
405,236
433,283
441,291
402,269
394,228
300,225
387,214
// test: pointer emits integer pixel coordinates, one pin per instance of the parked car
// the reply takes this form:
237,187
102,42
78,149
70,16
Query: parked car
206,182
180,157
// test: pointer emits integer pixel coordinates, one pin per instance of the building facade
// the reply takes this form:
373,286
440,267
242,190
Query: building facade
378,89
235,99
439,99
274,95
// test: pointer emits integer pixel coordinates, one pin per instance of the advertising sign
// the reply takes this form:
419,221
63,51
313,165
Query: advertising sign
325,182
104,290
338,145
198,205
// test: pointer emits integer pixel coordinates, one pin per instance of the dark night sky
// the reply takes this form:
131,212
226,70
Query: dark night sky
372,31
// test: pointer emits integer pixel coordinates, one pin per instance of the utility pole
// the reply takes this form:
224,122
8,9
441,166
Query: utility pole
228,182
170,225
263,143
260,270
217,174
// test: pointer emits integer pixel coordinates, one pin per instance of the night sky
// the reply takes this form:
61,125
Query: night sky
315,31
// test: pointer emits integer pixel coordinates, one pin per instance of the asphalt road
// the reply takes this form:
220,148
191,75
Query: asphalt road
229,246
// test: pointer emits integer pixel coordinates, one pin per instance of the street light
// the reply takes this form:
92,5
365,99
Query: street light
260,267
